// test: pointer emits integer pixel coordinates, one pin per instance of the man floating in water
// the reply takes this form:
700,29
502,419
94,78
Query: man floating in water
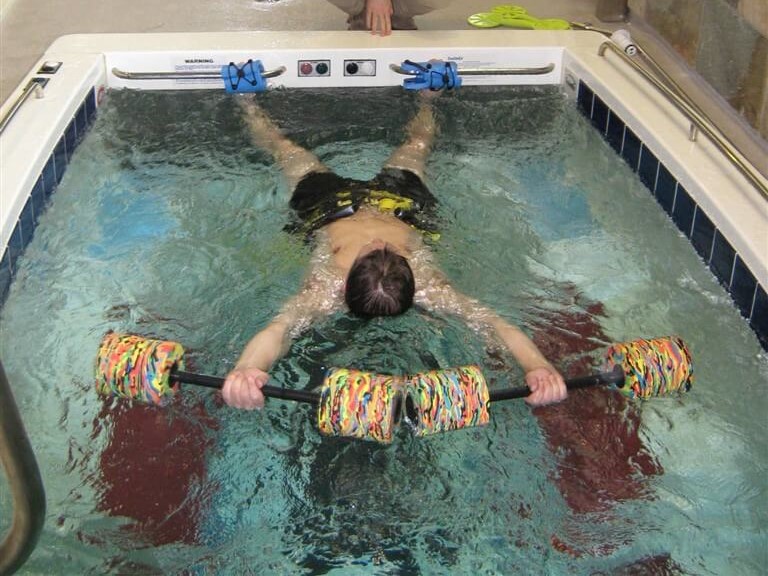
370,255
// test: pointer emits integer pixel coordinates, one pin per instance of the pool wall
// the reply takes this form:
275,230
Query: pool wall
721,213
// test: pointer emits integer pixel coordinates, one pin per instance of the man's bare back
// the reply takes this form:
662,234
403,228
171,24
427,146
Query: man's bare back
368,228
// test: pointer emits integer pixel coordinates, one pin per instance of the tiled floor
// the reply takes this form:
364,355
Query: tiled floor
27,27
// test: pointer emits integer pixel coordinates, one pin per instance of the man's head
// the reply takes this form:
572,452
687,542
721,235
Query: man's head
380,283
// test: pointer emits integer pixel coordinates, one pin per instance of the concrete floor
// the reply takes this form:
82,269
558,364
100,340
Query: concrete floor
28,27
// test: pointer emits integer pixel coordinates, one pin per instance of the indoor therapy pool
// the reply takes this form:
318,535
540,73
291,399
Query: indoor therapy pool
570,200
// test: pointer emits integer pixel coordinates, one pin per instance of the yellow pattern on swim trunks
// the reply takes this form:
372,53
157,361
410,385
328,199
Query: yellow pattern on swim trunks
383,200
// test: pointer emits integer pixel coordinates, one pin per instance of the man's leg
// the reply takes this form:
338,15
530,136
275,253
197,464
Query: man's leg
295,161
413,153
403,12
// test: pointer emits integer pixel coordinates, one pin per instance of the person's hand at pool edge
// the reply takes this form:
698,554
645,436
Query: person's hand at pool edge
378,17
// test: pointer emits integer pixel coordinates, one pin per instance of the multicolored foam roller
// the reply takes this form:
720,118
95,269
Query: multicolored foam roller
356,404
368,406
655,367
450,399
131,366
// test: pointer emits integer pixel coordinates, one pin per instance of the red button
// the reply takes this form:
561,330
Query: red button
305,68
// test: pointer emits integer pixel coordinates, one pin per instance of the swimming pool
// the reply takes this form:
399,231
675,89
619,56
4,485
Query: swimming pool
520,496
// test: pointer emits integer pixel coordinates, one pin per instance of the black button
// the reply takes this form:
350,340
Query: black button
321,68
352,68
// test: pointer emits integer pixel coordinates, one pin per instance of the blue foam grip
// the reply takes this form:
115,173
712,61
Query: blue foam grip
435,75
244,78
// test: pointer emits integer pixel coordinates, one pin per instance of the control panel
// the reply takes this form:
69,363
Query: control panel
314,68
318,68
359,67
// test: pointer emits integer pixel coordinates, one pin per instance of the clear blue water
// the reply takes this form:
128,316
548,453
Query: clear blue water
169,224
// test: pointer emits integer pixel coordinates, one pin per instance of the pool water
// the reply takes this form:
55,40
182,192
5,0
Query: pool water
168,223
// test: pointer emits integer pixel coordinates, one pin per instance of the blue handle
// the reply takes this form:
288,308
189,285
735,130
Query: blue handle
434,75
244,78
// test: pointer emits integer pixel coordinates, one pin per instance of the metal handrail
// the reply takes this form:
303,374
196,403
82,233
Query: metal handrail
697,118
33,87
23,475
486,71
123,75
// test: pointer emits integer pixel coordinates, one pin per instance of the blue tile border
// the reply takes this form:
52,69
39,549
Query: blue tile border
722,259
5,275
703,234
748,295
648,168
684,211
630,148
47,181
759,320
614,133
599,115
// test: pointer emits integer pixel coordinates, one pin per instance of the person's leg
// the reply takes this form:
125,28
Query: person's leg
413,153
405,10
355,10
351,7
295,161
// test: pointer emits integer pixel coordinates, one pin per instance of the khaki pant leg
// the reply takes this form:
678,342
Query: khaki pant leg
411,8
351,7
403,11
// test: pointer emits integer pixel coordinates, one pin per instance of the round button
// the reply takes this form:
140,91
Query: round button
321,68
305,68
352,68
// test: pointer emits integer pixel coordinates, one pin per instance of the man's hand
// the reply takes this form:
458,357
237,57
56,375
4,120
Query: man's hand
378,16
547,386
242,388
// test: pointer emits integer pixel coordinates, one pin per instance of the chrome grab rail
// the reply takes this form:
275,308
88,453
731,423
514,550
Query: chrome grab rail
25,483
123,75
698,119
35,87
486,71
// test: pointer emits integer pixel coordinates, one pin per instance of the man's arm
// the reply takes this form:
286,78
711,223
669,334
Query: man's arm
242,386
545,382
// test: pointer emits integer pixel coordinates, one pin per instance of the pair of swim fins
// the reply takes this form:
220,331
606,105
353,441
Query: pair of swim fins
513,16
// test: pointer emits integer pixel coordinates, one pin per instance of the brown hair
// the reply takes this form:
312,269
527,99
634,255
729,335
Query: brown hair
380,283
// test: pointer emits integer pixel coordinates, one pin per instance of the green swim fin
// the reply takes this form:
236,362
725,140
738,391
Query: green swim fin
512,16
